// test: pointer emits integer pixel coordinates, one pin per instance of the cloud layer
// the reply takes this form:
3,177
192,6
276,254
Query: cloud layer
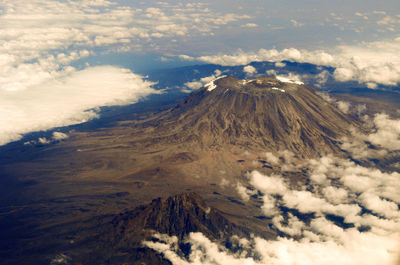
40,41
69,99
372,64
335,211
356,220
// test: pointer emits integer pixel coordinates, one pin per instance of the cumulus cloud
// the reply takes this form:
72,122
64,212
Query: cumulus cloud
243,192
250,25
69,99
271,158
249,70
346,107
384,135
296,23
40,41
353,214
373,63
57,136
280,64
321,240
387,132
343,106
196,84
366,249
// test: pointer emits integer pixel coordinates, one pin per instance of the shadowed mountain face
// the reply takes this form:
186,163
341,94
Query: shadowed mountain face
263,113
177,215
118,239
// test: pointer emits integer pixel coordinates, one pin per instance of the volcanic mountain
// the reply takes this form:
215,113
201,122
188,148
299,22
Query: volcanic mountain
223,127
217,132
119,238
205,144
263,113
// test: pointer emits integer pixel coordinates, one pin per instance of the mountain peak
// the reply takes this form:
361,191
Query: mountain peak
176,215
264,113
256,86
260,85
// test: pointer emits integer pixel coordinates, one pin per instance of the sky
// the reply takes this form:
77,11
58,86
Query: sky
61,60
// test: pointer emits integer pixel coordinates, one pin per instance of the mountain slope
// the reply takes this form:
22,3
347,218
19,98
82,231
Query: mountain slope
261,113
118,239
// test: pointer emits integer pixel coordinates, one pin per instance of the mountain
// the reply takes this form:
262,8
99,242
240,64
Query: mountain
118,238
229,123
77,195
176,215
263,113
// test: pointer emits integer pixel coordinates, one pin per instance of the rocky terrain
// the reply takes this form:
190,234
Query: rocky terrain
82,197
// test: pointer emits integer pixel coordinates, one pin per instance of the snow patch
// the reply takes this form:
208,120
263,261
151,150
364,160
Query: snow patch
275,88
287,80
244,82
211,85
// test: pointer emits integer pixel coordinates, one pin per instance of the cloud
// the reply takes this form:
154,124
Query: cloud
249,70
243,192
272,185
67,100
387,132
280,64
321,240
384,134
291,78
296,23
373,63
339,211
196,84
250,25
39,88
56,136
343,106
271,158
360,248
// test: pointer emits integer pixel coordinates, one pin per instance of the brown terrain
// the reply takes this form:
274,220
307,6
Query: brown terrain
81,197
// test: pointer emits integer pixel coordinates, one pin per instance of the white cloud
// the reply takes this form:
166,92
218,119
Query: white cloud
193,85
296,23
243,192
343,106
67,100
273,185
250,25
384,135
359,248
294,226
57,136
39,41
271,158
369,63
196,84
335,195
387,132
291,78
320,241
44,140
335,190
249,70
280,64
